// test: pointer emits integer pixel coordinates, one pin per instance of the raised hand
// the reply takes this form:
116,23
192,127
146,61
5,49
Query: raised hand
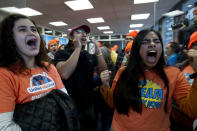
105,77
77,41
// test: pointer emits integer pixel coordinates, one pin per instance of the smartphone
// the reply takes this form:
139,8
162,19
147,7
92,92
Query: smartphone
91,47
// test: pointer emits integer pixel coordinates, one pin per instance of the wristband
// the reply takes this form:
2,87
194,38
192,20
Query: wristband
100,54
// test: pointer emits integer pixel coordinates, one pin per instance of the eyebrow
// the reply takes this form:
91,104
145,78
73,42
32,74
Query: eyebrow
23,26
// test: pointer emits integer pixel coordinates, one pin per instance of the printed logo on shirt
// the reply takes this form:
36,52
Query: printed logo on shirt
40,82
151,94
188,78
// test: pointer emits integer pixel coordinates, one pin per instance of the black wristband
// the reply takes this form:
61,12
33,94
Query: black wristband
194,75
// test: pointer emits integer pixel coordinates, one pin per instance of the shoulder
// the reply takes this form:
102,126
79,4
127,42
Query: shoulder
5,71
171,70
173,73
7,75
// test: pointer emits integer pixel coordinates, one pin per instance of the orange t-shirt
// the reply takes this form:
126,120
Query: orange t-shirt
188,70
20,88
153,116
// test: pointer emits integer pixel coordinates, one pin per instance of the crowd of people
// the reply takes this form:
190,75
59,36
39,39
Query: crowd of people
142,87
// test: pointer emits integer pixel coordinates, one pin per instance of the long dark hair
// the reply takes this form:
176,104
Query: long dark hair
127,94
9,57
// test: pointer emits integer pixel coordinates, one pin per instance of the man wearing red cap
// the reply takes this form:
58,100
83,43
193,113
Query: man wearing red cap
76,67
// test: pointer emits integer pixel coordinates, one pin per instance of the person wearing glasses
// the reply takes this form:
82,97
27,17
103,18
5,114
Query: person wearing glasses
76,67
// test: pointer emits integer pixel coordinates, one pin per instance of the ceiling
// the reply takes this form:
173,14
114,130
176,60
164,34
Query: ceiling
116,13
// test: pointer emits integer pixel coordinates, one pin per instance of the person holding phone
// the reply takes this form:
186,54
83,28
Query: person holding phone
76,67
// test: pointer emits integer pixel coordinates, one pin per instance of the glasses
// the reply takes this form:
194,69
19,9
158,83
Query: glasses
80,31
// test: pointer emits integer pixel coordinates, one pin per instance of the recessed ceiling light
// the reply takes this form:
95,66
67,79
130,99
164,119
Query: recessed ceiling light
108,32
133,30
189,6
95,20
144,1
69,29
140,16
103,27
24,11
135,25
173,13
79,5
58,23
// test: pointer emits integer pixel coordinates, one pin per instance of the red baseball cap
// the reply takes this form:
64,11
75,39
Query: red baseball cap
84,27
192,40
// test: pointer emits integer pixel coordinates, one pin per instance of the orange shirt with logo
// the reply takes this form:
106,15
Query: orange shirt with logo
21,88
153,116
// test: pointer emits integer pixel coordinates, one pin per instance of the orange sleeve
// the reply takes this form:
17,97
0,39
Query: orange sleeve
56,77
187,103
108,93
7,91
108,96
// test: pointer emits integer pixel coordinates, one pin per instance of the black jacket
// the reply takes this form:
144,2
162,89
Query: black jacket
53,112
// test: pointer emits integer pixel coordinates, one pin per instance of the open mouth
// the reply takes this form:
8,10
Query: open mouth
83,39
31,42
54,50
151,56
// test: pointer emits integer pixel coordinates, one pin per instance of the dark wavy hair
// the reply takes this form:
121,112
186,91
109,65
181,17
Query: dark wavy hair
127,93
9,57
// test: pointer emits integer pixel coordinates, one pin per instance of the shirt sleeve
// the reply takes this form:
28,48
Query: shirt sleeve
7,123
185,96
108,96
7,92
108,93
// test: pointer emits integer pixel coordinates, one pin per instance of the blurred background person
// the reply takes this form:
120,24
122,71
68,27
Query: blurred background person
172,50
61,47
130,36
52,48
57,41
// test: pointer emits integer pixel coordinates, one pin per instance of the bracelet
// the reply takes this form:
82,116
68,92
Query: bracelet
100,54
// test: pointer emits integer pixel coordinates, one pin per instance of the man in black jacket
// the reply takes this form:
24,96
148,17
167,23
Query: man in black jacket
76,67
